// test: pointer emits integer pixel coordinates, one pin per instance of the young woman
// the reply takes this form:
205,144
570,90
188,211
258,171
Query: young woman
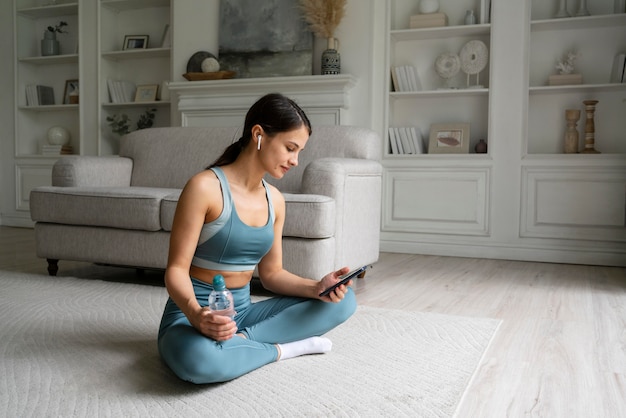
228,221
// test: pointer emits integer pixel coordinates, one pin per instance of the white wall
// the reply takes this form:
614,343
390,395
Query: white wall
7,131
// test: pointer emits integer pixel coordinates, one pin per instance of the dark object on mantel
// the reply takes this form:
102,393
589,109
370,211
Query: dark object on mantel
194,65
217,75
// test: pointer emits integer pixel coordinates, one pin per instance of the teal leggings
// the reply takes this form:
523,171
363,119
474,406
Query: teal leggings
199,359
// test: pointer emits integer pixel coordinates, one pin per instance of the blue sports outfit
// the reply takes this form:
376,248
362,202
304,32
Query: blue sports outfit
229,244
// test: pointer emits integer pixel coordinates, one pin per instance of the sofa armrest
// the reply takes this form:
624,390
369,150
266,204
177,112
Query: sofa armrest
356,187
327,176
82,170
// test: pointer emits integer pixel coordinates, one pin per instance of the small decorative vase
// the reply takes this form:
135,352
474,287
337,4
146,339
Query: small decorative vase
331,60
590,127
562,10
582,10
49,44
429,6
571,132
470,17
481,147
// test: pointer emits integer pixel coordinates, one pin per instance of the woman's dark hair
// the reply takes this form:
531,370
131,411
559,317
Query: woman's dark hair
275,113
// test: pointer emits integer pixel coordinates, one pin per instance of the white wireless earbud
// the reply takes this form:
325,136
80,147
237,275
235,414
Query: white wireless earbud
258,143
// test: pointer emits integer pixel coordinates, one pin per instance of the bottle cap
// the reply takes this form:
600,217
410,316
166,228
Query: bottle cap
218,283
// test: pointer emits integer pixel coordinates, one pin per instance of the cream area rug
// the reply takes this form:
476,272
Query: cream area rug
87,348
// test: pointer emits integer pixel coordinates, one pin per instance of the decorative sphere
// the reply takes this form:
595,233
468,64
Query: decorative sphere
58,135
429,6
210,65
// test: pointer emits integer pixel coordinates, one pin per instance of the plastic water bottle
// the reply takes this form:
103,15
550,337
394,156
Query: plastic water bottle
220,298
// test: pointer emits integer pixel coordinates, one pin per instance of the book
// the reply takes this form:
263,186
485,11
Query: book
417,140
392,141
407,144
121,91
48,149
45,95
618,74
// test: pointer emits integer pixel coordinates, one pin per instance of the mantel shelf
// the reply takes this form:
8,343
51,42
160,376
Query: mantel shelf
312,91
255,85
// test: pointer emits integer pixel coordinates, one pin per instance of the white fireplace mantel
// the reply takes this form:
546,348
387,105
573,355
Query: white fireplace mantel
325,98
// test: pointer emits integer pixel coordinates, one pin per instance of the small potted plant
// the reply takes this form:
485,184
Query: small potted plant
120,124
49,43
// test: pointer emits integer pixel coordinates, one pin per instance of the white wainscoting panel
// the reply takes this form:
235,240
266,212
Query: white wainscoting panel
437,200
566,203
28,177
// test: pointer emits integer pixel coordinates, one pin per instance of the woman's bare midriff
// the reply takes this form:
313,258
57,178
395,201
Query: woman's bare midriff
233,279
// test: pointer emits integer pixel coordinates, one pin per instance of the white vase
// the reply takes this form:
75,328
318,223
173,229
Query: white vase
562,10
582,9
429,6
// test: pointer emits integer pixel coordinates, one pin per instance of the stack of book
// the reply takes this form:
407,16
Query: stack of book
405,140
37,95
121,91
48,149
405,78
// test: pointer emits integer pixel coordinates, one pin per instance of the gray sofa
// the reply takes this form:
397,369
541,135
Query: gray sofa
118,210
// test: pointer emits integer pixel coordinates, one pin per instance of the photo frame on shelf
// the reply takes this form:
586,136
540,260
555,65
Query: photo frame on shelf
71,92
146,93
449,138
135,42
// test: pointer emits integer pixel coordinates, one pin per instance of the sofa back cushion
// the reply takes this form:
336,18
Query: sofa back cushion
168,157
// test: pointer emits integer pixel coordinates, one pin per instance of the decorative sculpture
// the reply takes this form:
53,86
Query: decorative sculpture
473,57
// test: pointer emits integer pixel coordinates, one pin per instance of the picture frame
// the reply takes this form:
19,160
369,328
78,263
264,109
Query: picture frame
146,93
71,86
136,42
449,138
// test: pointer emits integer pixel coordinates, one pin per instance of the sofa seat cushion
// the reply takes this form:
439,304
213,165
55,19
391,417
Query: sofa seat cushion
309,216
168,209
136,208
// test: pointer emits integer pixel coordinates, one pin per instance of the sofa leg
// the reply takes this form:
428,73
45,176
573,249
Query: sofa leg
53,266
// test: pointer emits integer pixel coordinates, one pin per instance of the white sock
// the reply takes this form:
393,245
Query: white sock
312,345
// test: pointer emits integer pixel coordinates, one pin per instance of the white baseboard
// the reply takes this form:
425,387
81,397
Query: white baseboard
589,255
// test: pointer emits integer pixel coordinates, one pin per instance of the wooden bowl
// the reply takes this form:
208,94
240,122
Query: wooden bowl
217,75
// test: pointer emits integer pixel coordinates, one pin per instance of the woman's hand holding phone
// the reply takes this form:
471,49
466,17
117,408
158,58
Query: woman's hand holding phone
337,279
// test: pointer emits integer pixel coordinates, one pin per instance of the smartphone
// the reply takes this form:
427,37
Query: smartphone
345,279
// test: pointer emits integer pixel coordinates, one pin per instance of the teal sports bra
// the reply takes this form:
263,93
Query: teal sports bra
229,244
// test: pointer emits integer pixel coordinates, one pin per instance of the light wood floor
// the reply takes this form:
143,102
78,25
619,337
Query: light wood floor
560,351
